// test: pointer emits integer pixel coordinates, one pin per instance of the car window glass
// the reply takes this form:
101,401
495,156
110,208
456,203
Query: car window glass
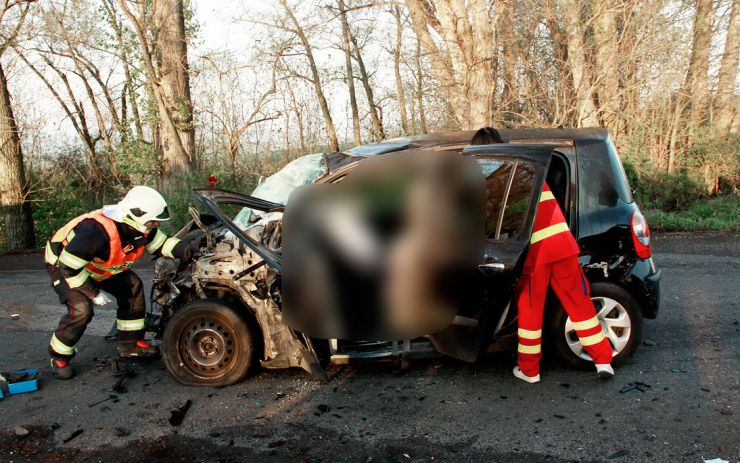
508,191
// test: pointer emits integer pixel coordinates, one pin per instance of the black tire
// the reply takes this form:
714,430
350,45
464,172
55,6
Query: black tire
208,343
556,329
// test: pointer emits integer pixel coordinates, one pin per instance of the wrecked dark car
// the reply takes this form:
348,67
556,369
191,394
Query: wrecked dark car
220,315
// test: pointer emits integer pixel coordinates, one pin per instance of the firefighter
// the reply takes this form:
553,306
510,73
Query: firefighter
91,256
552,261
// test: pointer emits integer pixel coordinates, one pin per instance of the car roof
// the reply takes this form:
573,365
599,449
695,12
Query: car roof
560,136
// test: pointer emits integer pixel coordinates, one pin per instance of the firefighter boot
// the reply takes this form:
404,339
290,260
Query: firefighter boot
140,349
61,369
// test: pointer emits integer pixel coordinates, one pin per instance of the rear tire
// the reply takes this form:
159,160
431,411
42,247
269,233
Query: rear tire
620,317
208,343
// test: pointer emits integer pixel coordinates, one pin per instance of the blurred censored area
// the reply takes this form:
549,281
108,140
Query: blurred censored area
388,251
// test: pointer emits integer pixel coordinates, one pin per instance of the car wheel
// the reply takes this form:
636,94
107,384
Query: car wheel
620,318
208,343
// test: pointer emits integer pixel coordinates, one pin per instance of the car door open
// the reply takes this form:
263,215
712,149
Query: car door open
515,175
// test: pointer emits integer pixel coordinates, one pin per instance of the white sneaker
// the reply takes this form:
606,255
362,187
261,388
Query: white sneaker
530,379
604,370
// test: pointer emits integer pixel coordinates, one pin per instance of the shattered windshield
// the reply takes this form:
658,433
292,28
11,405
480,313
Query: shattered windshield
277,187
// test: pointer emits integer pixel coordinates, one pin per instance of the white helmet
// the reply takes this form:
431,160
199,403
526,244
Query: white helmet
141,205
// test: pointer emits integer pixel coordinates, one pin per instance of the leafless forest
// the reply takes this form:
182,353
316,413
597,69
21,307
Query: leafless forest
98,95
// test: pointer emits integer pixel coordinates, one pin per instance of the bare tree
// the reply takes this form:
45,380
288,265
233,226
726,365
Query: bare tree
697,77
726,102
18,227
350,74
166,68
397,70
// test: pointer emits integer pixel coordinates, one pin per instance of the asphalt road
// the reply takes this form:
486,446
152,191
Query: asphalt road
438,410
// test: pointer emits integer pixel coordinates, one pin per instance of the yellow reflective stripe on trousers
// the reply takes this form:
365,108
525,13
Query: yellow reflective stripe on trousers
546,196
158,240
130,325
548,232
591,340
529,334
592,322
168,246
71,261
59,347
79,279
529,349
49,255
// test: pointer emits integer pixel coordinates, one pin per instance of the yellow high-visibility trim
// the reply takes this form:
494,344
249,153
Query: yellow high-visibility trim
591,340
168,246
79,279
548,232
59,347
529,349
529,334
70,235
49,255
587,324
71,261
158,240
546,196
130,325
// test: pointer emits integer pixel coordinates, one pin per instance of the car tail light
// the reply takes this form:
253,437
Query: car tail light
640,235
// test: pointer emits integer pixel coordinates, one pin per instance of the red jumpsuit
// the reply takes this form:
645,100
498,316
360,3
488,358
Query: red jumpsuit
553,260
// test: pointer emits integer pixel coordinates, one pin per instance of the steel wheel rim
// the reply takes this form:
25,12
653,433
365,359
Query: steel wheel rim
614,320
207,347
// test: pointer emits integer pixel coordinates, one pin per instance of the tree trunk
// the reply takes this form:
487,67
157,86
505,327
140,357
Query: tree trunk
378,133
397,71
507,37
350,75
330,130
420,90
19,232
585,107
697,78
174,81
607,64
726,101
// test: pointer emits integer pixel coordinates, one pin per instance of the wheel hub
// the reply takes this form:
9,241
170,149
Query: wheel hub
206,347
615,322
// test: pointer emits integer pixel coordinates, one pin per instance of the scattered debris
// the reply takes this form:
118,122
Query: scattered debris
178,415
705,389
110,397
407,455
279,395
619,454
715,460
15,316
74,434
635,386
566,385
21,432
539,420
725,412
648,343
562,417
323,408
122,432
55,426
421,398
275,444
259,404
122,374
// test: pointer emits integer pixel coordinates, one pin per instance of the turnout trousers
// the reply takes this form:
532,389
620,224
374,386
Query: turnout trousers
127,289
571,287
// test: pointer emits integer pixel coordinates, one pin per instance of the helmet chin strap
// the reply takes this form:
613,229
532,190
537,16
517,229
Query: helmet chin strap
140,227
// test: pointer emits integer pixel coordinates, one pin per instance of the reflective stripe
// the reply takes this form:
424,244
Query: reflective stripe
529,334
70,235
130,325
546,196
587,324
591,340
71,261
158,240
547,232
78,280
59,347
168,246
98,277
529,349
49,255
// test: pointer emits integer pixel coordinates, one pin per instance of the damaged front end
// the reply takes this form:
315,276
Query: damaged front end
239,267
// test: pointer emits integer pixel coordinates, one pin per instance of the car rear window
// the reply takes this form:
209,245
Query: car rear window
601,178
